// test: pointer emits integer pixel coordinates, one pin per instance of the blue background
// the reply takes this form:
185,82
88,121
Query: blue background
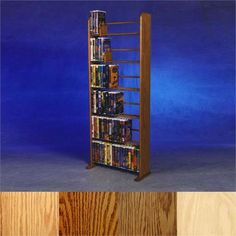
45,78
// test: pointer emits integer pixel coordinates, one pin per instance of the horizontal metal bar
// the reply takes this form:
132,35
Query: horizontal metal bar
128,89
132,103
125,49
123,34
129,76
122,22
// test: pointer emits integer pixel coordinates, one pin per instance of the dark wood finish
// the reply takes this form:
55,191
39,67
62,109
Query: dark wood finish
125,49
123,34
90,164
147,214
141,177
122,22
88,213
145,43
122,214
144,89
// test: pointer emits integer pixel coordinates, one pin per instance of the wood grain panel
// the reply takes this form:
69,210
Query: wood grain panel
145,44
29,214
117,214
147,213
88,213
206,214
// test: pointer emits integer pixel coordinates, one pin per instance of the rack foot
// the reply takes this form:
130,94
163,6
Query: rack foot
90,166
139,178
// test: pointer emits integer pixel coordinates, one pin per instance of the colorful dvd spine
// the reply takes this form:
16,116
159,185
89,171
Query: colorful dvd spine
113,76
97,23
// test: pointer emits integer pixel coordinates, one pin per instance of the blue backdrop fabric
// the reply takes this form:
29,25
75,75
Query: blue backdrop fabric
45,74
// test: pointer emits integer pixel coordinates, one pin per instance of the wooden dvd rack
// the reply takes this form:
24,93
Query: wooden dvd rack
144,89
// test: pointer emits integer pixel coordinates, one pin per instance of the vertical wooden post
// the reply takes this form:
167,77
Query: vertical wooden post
90,164
145,44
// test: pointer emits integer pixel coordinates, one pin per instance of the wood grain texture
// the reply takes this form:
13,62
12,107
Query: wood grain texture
29,214
88,213
90,164
145,44
206,214
147,213
122,214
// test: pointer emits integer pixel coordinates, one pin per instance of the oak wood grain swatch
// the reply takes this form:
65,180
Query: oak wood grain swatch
88,213
109,213
147,213
206,214
29,214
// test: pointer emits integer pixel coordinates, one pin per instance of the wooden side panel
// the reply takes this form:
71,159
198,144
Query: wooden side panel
145,44
88,213
29,214
206,214
90,165
145,213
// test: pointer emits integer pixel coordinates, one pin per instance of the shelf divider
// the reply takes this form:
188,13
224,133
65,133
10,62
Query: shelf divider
123,34
122,22
125,49
129,76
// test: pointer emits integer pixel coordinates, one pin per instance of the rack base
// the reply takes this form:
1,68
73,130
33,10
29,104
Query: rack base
139,178
90,166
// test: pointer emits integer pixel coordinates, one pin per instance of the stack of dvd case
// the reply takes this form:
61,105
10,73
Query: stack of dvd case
116,155
107,102
100,49
97,23
112,129
104,76
111,134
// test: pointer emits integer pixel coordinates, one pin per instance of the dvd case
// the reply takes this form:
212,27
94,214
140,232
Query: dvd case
97,23
100,49
112,129
104,76
115,155
107,102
